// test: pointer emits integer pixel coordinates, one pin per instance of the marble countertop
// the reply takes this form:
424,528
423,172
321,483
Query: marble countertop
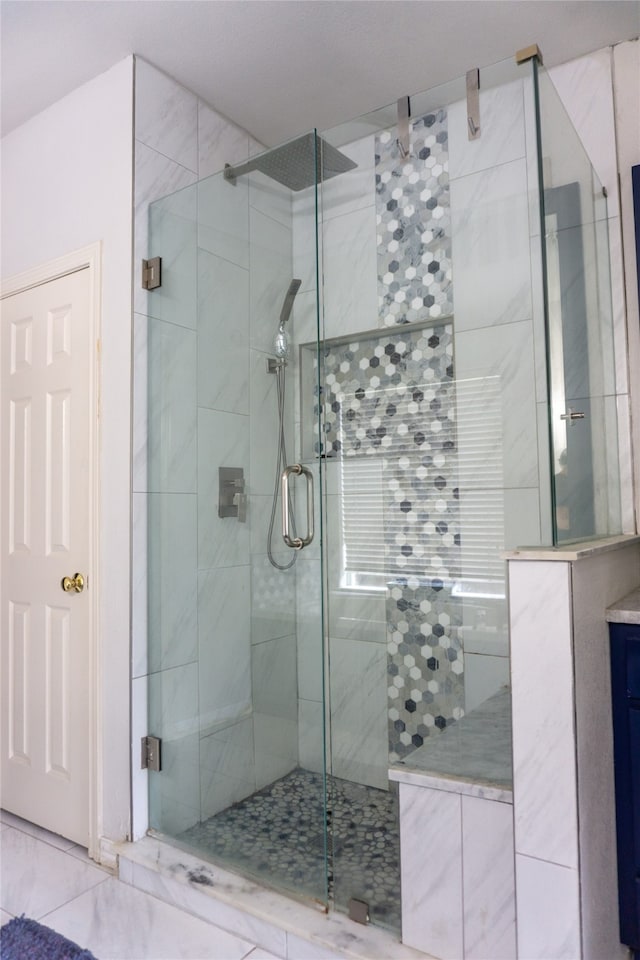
573,551
472,756
625,610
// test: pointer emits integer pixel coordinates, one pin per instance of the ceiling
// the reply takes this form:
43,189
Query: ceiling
281,67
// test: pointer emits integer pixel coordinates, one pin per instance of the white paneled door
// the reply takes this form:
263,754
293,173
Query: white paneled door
46,358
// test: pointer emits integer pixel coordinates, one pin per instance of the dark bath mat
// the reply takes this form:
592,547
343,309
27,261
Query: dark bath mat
23,939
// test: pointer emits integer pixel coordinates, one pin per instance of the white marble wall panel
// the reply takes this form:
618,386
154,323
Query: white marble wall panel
223,441
350,273
545,801
358,683
502,138
269,276
171,408
224,645
483,676
347,192
140,398
276,747
223,219
166,115
173,229
271,198
226,767
498,361
490,247
139,598
488,880
431,871
171,577
264,421
304,239
223,334
311,735
273,601
548,910
174,794
522,518
219,142
155,176
139,777
544,472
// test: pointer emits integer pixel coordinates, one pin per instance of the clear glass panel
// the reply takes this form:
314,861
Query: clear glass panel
586,482
235,616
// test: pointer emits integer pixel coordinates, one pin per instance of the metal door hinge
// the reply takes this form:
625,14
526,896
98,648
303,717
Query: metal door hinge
152,273
151,753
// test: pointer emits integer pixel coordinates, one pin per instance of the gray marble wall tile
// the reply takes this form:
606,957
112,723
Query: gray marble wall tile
305,239
496,368
166,115
219,142
171,572
227,767
223,334
269,276
309,627
223,441
488,882
274,678
173,233
223,219
548,910
358,672
155,176
431,833
174,795
522,518
502,137
224,645
544,775
172,408
490,247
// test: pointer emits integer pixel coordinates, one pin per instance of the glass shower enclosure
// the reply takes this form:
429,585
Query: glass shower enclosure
379,357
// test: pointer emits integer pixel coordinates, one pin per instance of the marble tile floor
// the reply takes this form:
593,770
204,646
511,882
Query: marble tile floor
276,836
52,880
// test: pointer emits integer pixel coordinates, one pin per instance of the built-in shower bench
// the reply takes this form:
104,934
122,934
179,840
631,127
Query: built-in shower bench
456,837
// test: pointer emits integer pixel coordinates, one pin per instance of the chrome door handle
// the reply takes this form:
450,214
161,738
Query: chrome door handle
297,543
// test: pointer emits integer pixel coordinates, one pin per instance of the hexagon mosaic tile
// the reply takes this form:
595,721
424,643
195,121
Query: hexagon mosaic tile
414,223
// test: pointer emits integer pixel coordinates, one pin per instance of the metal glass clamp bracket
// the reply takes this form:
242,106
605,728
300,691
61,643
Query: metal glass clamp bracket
297,543
572,416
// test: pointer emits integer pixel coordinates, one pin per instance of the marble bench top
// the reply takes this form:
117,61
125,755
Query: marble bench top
625,610
472,756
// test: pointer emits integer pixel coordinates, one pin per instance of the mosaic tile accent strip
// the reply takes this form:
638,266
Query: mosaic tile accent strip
276,835
391,396
414,223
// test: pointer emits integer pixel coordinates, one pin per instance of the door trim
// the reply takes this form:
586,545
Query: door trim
89,257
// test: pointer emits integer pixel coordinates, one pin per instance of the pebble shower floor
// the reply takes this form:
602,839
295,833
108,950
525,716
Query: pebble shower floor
276,836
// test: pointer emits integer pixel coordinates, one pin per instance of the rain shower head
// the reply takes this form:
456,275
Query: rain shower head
295,163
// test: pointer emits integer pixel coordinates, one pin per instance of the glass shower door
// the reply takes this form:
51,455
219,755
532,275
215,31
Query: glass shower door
581,363
235,615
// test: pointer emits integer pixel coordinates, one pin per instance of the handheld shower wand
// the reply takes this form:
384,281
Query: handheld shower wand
281,339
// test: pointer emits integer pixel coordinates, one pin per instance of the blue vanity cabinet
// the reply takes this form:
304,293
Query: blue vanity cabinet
625,683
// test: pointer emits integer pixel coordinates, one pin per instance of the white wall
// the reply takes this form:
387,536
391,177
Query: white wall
66,183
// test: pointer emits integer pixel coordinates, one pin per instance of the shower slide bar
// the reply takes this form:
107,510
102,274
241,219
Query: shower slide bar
297,543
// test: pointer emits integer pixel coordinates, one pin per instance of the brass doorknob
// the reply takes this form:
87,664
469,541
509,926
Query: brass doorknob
73,584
